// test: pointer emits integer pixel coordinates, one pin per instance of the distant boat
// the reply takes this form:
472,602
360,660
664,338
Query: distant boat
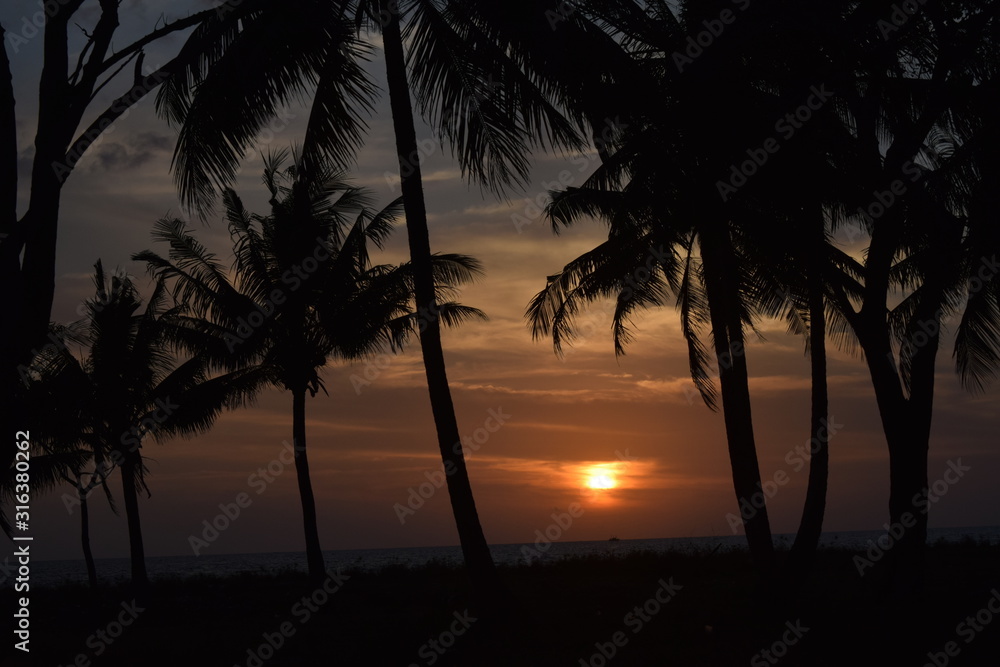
612,539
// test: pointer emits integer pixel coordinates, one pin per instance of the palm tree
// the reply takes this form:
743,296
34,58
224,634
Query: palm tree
657,189
643,262
492,79
901,148
810,313
791,204
811,182
303,291
916,105
128,386
70,467
66,450
70,77
51,465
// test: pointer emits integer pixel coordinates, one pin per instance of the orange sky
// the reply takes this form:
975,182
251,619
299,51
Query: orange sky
635,419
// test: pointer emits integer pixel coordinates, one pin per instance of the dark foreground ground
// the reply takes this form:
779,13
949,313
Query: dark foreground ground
575,612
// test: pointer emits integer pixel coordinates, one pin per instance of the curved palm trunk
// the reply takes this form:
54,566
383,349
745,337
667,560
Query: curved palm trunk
905,419
88,556
811,525
721,292
314,554
906,422
905,416
908,451
907,489
140,580
475,550
908,444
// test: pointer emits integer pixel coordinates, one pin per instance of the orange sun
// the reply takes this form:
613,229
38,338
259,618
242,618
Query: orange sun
600,477
601,481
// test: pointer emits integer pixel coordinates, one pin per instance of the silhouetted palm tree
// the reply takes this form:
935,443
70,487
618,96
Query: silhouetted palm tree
644,262
70,75
493,79
809,259
672,235
65,448
764,68
128,386
788,203
301,290
918,105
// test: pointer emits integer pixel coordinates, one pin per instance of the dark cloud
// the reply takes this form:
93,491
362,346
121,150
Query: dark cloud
153,141
113,157
140,149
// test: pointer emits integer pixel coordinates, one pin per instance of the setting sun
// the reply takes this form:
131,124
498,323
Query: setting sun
600,477
601,481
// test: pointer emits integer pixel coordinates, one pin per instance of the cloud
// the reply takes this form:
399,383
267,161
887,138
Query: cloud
139,150
392,181
153,141
524,391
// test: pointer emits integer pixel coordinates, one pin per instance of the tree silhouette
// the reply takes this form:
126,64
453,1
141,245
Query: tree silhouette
128,386
65,448
671,235
302,290
915,104
487,77
67,91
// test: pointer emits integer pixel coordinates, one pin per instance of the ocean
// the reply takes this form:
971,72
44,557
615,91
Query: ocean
55,572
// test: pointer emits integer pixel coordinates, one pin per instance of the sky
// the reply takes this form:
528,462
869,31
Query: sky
545,429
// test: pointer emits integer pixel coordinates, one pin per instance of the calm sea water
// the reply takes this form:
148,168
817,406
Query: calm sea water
46,573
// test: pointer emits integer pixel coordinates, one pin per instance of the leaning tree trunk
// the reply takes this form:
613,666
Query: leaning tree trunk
475,550
722,295
28,246
905,412
908,456
314,554
906,422
803,550
88,556
140,579
907,508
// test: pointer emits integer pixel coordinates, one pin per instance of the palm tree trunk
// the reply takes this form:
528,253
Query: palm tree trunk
811,525
907,482
314,554
88,556
908,436
140,579
906,421
722,294
475,550
908,458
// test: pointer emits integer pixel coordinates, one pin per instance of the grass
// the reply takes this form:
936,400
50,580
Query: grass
567,612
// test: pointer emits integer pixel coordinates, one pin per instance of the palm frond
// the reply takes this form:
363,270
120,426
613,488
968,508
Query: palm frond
246,68
693,307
